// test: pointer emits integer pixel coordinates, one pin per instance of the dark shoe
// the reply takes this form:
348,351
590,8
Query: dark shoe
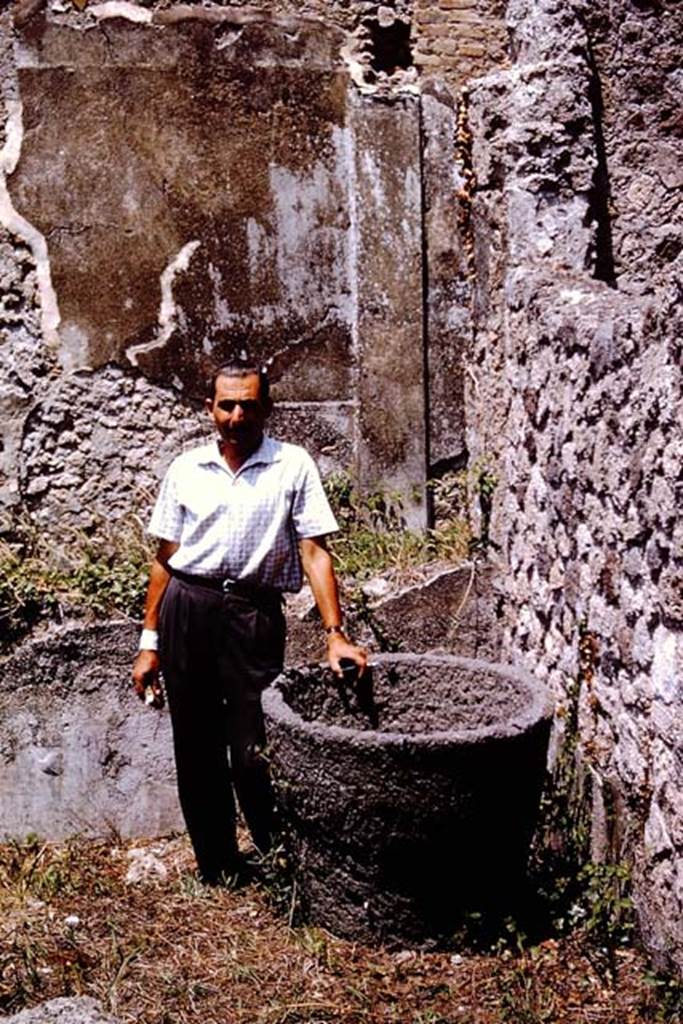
234,875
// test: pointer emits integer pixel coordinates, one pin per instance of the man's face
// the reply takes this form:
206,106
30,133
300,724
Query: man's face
239,412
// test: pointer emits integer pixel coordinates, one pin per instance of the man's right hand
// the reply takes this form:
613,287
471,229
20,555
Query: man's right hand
146,674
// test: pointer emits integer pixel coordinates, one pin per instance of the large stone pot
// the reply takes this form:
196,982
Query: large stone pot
408,799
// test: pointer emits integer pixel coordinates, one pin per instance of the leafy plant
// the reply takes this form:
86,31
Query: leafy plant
484,481
524,1000
573,890
47,577
373,538
664,1004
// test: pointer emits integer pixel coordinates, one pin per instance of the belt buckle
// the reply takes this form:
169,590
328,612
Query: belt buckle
228,585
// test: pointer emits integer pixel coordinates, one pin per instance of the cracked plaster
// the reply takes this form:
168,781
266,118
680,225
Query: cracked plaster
272,261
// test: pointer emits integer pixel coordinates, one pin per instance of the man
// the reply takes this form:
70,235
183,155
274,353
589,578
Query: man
237,520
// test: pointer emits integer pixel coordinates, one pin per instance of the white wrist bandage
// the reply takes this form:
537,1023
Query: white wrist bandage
149,640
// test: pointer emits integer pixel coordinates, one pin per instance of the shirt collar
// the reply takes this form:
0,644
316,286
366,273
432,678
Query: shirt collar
268,451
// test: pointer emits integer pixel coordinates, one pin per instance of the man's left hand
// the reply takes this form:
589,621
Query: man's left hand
339,647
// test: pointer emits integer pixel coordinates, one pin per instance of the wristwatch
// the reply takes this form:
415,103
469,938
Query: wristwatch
329,630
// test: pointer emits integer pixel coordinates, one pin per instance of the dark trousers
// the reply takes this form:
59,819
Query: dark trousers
218,652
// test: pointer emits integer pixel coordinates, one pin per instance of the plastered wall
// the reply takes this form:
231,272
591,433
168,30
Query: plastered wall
182,187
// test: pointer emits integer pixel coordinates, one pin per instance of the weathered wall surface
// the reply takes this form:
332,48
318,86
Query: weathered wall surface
578,352
182,184
185,186
78,754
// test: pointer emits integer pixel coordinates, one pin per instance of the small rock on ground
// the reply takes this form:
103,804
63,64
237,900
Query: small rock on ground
145,867
76,1010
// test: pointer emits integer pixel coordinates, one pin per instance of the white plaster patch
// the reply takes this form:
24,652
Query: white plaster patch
374,176
355,68
657,837
257,245
167,310
664,679
304,234
405,83
229,39
18,225
122,9
74,349
573,296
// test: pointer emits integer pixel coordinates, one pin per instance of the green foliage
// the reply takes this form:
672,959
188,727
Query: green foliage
524,1000
40,871
45,576
573,890
605,913
666,1003
373,537
562,842
107,587
26,597
482,482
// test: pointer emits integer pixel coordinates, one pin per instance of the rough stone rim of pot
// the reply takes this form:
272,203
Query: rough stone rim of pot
538,708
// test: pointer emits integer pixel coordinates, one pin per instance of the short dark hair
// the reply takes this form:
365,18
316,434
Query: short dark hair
239,370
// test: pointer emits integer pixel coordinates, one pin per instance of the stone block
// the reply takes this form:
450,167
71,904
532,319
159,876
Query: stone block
445,46
79,752
456,610
68,1010
471,50
427,60
448,326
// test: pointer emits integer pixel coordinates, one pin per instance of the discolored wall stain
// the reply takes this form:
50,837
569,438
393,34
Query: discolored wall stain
201,155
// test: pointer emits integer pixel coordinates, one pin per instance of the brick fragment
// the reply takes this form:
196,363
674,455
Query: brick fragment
445,46
427,17
470,32
427,60
440,30
472,50
458,17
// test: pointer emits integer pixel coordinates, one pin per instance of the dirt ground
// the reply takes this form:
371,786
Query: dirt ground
128,924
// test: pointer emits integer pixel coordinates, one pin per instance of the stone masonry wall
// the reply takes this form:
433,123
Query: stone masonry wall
578,349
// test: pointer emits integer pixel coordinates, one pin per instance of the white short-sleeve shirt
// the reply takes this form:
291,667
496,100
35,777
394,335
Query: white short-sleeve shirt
245,525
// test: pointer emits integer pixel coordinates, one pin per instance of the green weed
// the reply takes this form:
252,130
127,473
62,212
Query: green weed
664,1004
36,870
573,890
524,999
48,578
373,538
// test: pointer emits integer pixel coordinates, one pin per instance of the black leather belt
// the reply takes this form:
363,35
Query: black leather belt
227,585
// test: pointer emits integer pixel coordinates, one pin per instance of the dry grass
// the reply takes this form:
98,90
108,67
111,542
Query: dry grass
172,952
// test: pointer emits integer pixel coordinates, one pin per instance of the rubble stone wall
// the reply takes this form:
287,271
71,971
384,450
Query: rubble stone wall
575,395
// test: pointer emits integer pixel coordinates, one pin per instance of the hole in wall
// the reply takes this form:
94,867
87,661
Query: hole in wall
389,46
